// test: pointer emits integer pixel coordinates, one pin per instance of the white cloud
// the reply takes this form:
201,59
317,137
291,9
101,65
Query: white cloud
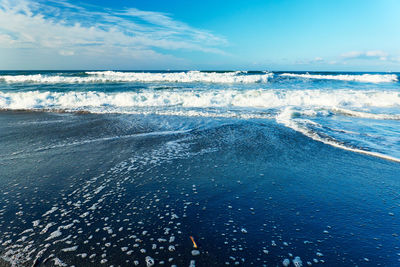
376,53
67,53
353,57
6,40
372,54
65,29
316,60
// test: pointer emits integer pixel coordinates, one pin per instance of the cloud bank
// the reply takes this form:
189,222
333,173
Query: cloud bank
55,30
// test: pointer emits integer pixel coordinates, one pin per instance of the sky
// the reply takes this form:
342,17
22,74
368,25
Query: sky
342,35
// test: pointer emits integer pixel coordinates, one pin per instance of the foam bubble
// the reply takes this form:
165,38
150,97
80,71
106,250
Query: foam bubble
54,234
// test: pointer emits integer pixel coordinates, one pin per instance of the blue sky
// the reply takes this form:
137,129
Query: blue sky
352,35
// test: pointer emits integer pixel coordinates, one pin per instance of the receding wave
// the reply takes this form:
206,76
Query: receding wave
366,115
371,78
285,118
113,76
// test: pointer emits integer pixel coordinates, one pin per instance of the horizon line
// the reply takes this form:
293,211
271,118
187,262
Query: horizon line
201,70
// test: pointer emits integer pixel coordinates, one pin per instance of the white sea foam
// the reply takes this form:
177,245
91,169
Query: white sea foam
189,77
284,105
53,209
54,234
74,248
371,78
366,115
285,118
265,99
113,76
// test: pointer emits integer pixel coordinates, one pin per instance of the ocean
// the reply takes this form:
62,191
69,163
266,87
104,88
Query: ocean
199,168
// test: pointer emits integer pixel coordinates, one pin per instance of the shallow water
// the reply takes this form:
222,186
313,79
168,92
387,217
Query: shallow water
354,111
113,189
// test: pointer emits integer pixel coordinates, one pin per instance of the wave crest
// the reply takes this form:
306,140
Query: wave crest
113,76
251,99
371,78
188,77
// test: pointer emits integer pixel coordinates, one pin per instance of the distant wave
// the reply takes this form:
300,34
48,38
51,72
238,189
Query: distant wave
371,78
113,76
339,100
188,77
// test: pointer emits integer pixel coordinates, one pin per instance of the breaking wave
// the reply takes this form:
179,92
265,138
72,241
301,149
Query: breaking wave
113,76
285,118
187,77
366,115
340,100
371,78
300,109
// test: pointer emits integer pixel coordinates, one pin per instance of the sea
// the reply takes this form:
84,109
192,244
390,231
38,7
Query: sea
199,168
